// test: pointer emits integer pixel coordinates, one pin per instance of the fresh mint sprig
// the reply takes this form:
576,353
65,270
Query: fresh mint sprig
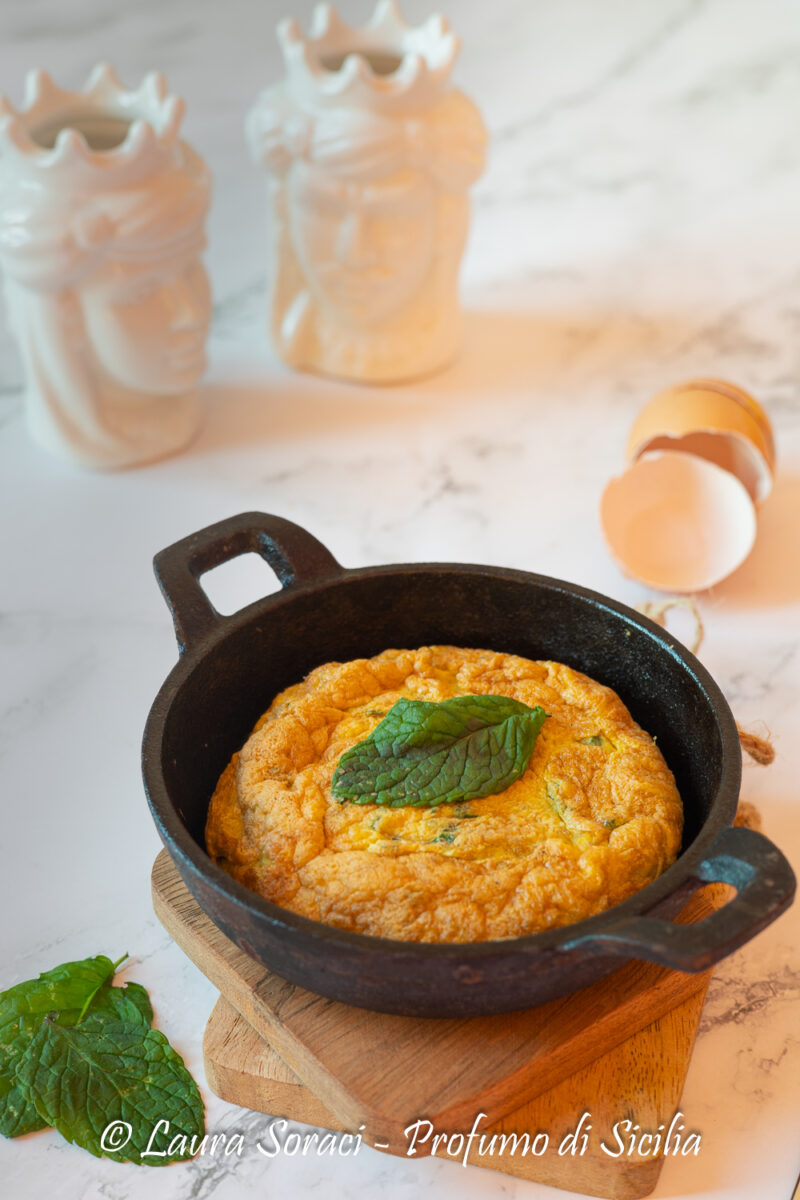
76,1053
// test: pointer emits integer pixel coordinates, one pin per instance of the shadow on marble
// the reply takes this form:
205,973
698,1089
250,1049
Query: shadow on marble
284,408
514,351
770,576
532,356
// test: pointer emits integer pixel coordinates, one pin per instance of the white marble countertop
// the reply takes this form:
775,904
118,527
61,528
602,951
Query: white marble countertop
638,224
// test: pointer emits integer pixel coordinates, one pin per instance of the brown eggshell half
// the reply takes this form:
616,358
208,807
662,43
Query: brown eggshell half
713,420
677,522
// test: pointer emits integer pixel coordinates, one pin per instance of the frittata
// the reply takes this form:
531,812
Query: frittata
595,816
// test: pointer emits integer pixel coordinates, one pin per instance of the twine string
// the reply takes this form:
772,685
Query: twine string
760,749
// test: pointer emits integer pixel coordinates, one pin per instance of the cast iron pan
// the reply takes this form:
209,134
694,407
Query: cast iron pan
230,668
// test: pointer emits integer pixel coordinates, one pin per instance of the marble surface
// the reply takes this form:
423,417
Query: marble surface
637,225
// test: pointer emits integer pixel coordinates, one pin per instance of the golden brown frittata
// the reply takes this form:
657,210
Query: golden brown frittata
595,817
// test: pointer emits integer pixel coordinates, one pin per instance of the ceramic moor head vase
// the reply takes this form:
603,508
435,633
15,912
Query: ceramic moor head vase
102,214
370,152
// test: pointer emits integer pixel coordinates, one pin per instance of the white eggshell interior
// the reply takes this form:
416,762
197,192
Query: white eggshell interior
678,522
729,450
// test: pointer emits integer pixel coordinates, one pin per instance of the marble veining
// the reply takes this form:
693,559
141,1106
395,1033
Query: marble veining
636,225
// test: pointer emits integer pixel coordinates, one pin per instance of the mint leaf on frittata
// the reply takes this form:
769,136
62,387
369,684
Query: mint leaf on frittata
425,753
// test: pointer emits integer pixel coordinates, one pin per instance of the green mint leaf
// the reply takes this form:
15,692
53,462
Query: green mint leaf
72,985
86,1076
425,753
68,989
18,1113
598,739
128,1003
448,834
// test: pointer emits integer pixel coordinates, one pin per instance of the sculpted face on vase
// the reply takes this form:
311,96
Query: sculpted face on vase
364,247
147,323
100,240
371,153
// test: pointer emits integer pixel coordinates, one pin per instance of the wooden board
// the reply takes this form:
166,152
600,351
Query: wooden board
640,1080
383,1071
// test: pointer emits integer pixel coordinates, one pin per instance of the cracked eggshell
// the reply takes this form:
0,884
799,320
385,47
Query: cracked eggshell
716,421
677,522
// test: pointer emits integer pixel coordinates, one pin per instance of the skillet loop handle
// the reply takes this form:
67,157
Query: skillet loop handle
765,887
294,555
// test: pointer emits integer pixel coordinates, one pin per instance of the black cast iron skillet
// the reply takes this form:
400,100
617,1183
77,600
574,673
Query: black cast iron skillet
230,668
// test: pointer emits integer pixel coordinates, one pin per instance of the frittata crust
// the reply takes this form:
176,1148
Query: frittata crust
587,824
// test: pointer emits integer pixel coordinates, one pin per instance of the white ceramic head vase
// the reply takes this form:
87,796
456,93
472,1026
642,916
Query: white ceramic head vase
102,213
370,152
